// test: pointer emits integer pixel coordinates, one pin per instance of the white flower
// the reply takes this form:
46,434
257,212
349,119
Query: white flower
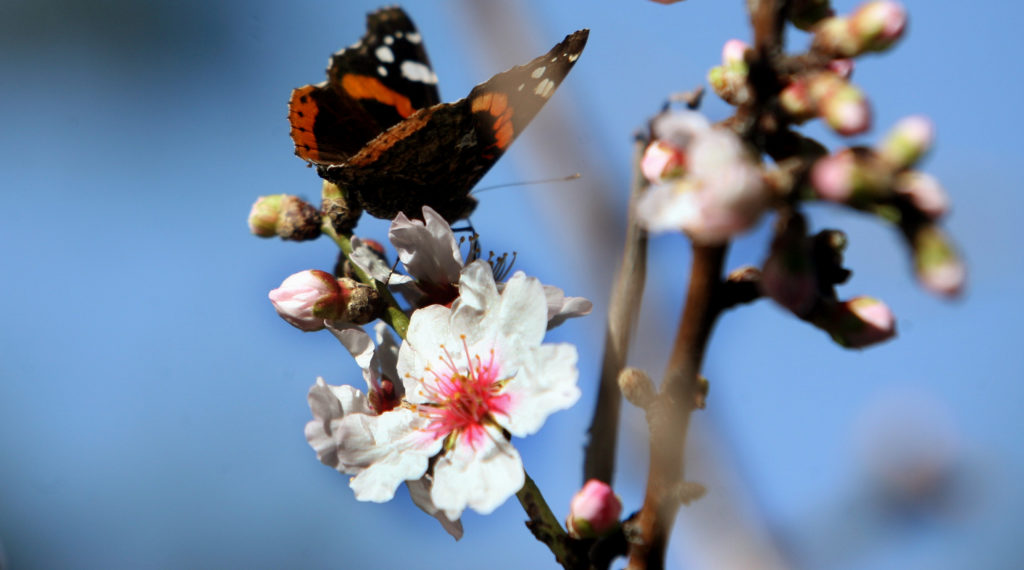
720,195
431,256
471,373
331,405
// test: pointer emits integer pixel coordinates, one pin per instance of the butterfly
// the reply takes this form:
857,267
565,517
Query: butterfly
378,129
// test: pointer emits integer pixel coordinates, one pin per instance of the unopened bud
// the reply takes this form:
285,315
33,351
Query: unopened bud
637,387
835,37
594,511
795,100
924,192
299,220
852,176
264,215
662,161
860,322
938,267
878,25
338,209
845,109
907,142
305,299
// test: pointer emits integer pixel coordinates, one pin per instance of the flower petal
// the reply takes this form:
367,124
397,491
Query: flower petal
544,383
419,490
329,404
428,249
383,451
481,477
561,308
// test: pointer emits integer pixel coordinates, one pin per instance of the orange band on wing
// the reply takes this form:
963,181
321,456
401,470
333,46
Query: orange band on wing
302,112
363,87
497,105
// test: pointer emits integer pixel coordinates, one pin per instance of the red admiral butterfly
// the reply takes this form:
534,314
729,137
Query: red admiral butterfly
377,127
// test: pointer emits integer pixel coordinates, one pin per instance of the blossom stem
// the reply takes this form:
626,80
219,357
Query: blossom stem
668,418
543,524
624,306
393,315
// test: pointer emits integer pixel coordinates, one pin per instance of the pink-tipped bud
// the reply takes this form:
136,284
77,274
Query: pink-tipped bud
796,100
662,160
878,25
939,269
306,298
851,176
733,52
594,511
835,37
861,322
924,192
907,142
841,67
846,110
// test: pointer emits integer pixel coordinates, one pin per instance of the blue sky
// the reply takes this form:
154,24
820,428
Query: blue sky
152,404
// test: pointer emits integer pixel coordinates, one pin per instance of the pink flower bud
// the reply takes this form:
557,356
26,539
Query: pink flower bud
835,37
796,100
878,25
924,192
733,52
861,322
846,110
306,298
594,511
264,215
661,161
833,177
938,267
907,142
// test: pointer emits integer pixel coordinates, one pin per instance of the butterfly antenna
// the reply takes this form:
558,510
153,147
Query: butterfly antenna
571,177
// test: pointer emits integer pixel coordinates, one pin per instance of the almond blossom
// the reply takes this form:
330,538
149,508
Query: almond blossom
471,374
431,256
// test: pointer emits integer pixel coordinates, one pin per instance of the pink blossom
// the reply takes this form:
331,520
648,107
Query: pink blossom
594,511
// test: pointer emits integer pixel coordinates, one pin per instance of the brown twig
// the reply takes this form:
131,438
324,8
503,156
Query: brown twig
599,459
669,417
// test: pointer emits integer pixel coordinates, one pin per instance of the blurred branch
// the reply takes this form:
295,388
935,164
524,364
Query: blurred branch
624,307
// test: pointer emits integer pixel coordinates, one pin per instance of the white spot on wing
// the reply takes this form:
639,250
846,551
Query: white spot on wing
414,37
554,59
520,88
544,88
416,71
537,73
382,71
388,40
384,54
574,57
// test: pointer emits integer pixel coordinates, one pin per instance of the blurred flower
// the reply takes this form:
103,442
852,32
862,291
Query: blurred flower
720,195
843,106
841,67
471,373
661,161
907,142
594,511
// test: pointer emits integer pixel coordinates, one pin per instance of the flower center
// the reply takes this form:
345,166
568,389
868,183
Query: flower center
464,398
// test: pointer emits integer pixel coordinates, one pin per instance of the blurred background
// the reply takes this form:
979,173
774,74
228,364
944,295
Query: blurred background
152,404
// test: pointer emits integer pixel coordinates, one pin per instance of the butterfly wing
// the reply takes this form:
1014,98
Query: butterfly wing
371,85
438,154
